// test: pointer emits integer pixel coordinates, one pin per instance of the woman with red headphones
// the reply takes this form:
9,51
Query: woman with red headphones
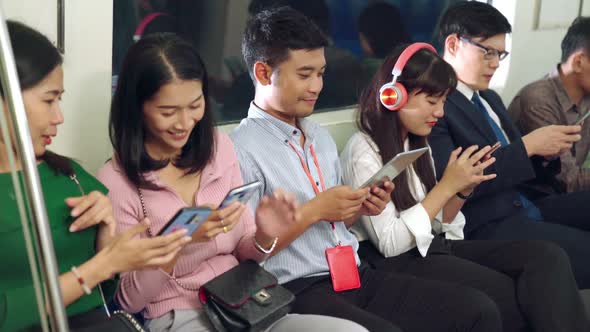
421,230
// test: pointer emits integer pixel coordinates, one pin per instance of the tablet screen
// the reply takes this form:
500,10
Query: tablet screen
394,167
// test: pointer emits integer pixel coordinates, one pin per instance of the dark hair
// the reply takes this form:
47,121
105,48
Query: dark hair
381,24
151,63
35,58
424,72
472,19
256,6
270,34
316,10
576,38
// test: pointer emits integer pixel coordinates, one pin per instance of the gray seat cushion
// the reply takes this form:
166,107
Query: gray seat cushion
586,297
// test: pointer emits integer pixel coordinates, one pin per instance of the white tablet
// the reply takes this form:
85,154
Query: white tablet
394,167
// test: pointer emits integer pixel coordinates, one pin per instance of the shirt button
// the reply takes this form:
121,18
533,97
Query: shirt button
286,141
294,132
317,183
517,203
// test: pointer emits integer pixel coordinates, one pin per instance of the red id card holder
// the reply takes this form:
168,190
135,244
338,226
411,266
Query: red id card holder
343,269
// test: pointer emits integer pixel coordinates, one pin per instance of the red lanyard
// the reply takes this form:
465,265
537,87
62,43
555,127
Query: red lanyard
310,178
306,169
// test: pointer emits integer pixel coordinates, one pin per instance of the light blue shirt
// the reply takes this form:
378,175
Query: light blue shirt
264,153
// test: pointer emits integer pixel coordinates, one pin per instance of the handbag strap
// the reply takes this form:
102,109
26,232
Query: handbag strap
74,178
143,209
129,320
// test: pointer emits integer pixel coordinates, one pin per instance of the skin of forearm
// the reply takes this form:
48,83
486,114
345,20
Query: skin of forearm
452,208
93,272
436,200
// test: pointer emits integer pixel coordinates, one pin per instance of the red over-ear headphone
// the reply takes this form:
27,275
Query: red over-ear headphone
393,95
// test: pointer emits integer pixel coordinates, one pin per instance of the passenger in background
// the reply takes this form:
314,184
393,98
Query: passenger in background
561,98
474,36
80,215
509,273
167,156
278,145
381,30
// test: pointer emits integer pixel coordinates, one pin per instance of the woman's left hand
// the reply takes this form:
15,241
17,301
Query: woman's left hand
90,210
274,216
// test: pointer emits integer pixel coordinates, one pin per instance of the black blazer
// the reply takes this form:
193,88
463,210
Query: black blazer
464,125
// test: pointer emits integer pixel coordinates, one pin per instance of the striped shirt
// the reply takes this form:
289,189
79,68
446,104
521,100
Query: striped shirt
264,154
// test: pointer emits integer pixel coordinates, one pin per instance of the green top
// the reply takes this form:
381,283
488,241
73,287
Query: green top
18,308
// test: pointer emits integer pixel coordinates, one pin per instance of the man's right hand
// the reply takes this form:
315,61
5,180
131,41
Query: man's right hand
551,140
339,203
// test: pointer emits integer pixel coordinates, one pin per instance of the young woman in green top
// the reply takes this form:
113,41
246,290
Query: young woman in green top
80,215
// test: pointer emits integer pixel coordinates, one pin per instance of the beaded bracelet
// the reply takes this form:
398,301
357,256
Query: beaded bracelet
81,281
265,251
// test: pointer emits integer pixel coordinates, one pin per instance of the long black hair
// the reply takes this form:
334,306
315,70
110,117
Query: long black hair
425,72
36,57
151,63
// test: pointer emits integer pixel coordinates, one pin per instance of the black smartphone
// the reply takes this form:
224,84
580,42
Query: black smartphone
241,194
187,218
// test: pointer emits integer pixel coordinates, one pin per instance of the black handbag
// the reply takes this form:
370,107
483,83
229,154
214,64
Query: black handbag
120,321
245,298
96,320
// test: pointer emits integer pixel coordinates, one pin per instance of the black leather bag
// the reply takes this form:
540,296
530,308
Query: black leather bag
96,320
120,321
245,298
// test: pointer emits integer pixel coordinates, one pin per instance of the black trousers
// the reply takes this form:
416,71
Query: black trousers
574,241
390,301
530,282
566,209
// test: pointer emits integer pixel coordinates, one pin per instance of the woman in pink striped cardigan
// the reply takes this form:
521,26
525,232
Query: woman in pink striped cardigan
169,156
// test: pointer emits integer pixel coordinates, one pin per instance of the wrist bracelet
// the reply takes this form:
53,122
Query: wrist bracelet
463,197
81,281
265,251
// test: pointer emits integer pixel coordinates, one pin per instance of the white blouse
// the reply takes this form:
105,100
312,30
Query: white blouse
393,232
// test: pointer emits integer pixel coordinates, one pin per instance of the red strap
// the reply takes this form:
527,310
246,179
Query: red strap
144,23
308,173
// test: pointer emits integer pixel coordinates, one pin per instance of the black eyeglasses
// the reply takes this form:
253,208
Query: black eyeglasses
488,53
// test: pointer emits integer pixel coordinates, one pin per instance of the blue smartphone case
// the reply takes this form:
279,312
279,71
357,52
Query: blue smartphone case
187,218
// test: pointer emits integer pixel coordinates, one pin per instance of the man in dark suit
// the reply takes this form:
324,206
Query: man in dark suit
473,34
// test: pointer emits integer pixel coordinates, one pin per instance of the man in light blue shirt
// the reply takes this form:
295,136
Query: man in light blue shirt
278,146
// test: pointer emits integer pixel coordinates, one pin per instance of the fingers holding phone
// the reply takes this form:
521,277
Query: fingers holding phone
378,198
219,221
493,149
339,203
128,252
465,170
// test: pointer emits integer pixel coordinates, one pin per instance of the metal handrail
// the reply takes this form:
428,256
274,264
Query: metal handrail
43,240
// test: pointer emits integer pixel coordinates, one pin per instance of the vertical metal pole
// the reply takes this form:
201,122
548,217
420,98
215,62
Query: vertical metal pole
43,239
61,26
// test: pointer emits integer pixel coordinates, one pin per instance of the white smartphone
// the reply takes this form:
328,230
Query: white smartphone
394,167
241,194
582,118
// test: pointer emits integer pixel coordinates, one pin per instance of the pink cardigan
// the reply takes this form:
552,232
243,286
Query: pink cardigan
152,290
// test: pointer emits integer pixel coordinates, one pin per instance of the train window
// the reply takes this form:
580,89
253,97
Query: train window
361,32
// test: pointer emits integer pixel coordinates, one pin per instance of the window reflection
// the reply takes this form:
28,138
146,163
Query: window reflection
361,31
